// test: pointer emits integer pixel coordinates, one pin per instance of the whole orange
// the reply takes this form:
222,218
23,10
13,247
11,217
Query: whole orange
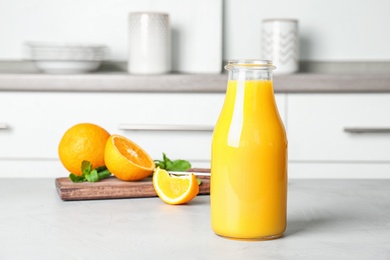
81,142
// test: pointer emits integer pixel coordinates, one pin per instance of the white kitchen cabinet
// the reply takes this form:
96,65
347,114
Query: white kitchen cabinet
33,123
339,135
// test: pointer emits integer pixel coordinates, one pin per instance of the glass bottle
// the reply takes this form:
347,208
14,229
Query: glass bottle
249,157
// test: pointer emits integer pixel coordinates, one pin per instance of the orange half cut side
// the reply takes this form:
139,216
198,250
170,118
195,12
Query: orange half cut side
126,160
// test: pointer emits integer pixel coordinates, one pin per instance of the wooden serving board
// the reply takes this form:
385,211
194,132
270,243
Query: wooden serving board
113,188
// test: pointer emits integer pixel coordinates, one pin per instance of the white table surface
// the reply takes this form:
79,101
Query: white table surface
327,219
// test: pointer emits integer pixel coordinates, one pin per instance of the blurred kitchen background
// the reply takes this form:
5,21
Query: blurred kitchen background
343,32
335,109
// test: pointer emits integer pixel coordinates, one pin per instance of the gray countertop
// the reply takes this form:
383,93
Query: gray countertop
327,219
123,82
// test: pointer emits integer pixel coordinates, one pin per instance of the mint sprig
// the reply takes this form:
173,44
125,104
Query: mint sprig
175,165
89,174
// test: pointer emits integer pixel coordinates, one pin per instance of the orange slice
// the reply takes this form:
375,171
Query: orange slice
175,189
126,160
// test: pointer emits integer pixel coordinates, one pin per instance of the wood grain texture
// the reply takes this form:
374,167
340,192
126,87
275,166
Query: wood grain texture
113,188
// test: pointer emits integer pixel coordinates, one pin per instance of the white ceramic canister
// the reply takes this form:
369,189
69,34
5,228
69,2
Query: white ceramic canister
149,43
280,43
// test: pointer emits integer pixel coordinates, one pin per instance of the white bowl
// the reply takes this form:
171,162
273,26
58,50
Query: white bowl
67,67
65,51
64,46
66,55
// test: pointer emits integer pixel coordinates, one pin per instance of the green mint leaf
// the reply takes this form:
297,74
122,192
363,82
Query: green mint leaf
199,181
75,178
160,164
92,176
89,174
166,159
179,166
168,165
101,168
86,167
103,174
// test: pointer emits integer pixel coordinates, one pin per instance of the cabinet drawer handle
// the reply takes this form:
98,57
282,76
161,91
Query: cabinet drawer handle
366,130
3,126
147,127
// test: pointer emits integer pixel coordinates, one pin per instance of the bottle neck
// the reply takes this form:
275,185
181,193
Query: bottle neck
243,75
250,69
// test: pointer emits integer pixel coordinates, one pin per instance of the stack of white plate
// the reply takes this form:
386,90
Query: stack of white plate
66,58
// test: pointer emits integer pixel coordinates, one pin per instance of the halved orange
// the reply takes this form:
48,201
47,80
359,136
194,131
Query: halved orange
126,160
175,189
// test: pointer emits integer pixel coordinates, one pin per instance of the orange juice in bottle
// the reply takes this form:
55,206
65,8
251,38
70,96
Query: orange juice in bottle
249,157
